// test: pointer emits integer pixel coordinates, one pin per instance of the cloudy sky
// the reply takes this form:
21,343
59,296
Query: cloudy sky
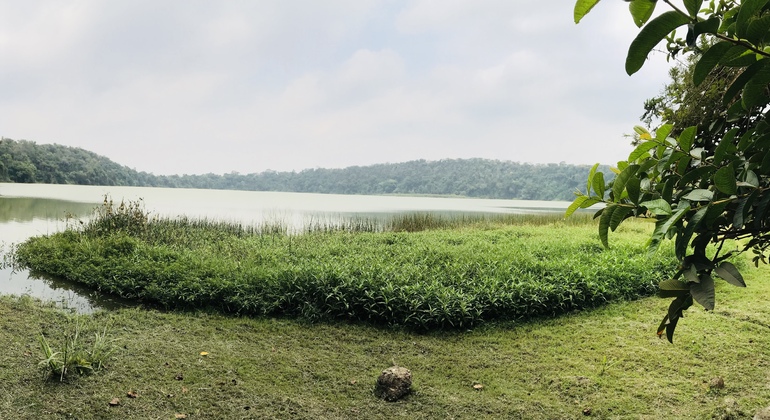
186,86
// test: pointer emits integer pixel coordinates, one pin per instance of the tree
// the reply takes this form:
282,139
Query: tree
706,180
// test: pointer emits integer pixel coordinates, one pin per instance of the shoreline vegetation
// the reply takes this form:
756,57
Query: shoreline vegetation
418,271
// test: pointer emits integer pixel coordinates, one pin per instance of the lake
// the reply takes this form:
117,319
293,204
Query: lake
28,210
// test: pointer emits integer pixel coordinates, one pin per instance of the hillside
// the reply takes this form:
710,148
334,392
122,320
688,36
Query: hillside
27,162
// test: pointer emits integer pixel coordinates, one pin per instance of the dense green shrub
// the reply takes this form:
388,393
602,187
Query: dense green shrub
451,278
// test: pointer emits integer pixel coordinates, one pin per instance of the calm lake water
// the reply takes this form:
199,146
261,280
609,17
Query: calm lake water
28,210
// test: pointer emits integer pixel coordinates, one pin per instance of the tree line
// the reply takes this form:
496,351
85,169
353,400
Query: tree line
28,162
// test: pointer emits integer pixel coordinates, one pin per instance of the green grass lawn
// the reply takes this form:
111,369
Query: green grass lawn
605,361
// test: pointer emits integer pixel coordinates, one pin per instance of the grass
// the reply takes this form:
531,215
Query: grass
456,277
605,360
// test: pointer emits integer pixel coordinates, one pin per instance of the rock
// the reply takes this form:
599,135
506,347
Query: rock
394,383
763,414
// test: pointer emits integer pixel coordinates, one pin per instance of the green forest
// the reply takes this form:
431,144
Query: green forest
25,161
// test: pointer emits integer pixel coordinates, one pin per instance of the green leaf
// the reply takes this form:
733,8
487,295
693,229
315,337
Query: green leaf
683,240
604,224
725,181
759,213
618,216
729,273
764,168
693,6
714,211
633,186
652,33
740,81
619,184
748,9
699,195
658,207
752,179
641,10
673,288
663,226
662,133
590,178
734,55
575,205
709,26
590,202
696,176
758,29
691,274
642,132
641,149
597,183
703,292
725,146
678,305
708,61
755,90
686,139
582,7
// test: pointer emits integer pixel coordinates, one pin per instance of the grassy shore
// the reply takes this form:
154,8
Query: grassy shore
606,362
425,274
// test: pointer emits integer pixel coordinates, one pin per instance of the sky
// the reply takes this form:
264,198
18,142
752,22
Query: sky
191,87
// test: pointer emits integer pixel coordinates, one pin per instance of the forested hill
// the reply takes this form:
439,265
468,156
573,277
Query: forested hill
26,161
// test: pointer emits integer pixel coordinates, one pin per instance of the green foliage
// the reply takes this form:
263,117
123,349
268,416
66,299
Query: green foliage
25,161
77,355
432,279
705,176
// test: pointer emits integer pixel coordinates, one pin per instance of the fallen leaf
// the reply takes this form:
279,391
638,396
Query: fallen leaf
184,390
478,387
114,402
204,353
180,416
132,394
587,411
353,382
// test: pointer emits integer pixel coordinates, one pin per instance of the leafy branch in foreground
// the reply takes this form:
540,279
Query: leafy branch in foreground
703,178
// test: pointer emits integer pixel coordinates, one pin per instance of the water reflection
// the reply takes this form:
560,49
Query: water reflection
22,217
63,293
26,209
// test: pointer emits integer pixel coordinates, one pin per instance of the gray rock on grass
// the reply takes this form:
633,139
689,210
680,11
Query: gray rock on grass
394,383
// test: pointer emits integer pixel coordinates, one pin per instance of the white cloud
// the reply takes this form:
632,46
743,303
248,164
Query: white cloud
194,86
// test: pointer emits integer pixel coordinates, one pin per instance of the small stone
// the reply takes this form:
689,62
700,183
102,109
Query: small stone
717,383
114,402
587,411
394,383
